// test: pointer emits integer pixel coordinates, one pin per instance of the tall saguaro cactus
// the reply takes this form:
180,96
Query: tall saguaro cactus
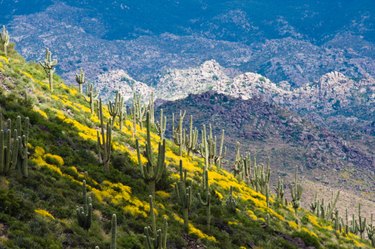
84,214
371,231
49,67
104,140
161,126
80,79
361,224
9,148
155,238
93,95
178,133
184,197
280,192
191,138
114,232
13,146
23,153
115,107
5,40
296,193
231,202
206,201
151,171
138,111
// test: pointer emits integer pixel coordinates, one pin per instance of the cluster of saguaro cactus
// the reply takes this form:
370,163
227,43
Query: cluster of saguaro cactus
80,79
139,111
155,238
84,214
296,193
242,166
178,132
104,139
49,67
116,108
206,201
184,196
151,171
93,96
320,209
231,202
4,38
260,178
161,125
191,138
13,146
215,155
358,226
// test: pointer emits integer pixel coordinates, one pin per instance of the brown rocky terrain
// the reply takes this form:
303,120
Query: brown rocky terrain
267,130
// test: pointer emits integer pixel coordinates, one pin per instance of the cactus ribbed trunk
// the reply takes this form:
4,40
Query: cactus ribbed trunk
50,79
151,188
185,213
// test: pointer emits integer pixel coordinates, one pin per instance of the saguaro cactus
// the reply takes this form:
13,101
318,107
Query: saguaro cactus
296,193
206,201
280,191
115,107
151,171
5,40
138,111
23,153
93,95
80,79
371,231
215,156
49,67
191,138
104,140
9,148
155,238
114,232
84,214
231,202
178,133
261,177
237,165
161,126
151,108
361,224
184,197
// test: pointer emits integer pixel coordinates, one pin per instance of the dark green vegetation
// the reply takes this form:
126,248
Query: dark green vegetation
71,199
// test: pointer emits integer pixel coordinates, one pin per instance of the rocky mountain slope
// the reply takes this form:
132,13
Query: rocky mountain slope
296,42
267,130
38,204
333,100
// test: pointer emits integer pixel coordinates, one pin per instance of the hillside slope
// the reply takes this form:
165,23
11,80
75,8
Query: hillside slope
267,130
39,211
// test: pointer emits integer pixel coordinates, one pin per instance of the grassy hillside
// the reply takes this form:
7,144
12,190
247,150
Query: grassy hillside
39,211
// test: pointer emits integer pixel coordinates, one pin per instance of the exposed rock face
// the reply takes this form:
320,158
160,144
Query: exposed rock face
119,81
334,98
333,90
